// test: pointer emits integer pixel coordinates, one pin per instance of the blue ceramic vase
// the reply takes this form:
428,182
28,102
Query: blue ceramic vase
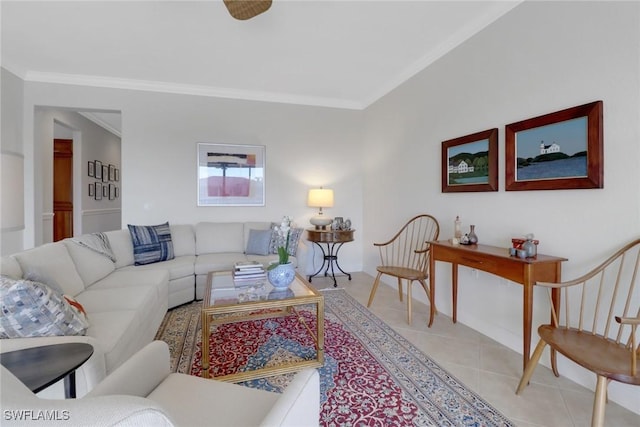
282,275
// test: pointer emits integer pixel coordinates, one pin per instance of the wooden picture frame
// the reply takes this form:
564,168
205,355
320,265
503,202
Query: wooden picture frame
112,192
92,189
91,169
470,163
105,173
556,151
230,175
98,193
98,169
112,173
116,175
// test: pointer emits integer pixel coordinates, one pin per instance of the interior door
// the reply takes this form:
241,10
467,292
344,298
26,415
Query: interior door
62,189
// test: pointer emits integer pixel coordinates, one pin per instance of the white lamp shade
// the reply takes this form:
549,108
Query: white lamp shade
320,198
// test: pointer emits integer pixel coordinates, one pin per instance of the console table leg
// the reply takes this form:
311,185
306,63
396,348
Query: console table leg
527,305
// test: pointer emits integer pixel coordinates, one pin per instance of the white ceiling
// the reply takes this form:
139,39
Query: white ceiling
344,54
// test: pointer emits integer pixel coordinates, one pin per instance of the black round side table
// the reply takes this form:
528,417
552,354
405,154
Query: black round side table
39,367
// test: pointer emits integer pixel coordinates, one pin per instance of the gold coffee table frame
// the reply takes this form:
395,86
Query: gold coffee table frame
221,304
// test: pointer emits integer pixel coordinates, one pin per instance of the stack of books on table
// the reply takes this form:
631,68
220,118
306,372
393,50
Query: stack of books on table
248,272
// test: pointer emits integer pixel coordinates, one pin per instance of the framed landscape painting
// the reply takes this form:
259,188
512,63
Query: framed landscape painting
231,175
470,163
561,150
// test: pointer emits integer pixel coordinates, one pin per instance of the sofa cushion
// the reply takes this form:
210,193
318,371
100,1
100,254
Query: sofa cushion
259,241
120,241
217,397
114,299
277,240
217,262
32,309
52,260
218,237
36,275
253,225
184,240
133,277
91,265
180,266
151,243
9,266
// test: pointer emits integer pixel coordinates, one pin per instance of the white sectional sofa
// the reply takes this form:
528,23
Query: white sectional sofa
160,398
125,303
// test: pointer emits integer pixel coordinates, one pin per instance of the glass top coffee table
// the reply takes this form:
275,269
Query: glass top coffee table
225,303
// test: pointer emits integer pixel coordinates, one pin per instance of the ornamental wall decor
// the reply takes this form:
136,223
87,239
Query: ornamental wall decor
470,163
230,175
561,150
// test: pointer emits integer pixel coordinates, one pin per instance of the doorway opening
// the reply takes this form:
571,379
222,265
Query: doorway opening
62,188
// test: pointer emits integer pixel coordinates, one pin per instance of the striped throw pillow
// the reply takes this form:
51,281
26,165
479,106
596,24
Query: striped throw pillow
151,243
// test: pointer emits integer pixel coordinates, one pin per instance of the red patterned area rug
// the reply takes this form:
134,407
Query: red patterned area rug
372,375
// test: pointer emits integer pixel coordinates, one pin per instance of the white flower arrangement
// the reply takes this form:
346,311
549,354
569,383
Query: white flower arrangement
284,231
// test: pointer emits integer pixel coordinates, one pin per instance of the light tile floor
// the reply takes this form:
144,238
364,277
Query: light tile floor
485,366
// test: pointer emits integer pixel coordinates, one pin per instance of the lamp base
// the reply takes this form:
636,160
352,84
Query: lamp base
321,222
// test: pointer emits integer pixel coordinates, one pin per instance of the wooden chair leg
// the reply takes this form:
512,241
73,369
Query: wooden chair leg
409,286
531,366
400,288
554,363
600,400
374,289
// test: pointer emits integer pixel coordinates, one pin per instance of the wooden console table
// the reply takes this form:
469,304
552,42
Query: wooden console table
497,261
334,239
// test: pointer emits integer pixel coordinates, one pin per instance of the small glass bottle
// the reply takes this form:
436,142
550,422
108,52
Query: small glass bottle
473,238
457,228
529,246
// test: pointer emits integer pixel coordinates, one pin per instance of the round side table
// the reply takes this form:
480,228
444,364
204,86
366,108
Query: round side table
40,367
333,239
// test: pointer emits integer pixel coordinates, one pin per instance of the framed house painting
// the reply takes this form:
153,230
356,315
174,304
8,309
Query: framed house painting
231,175
561,150
470,163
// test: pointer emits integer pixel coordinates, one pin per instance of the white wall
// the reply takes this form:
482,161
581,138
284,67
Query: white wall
12,152
306,147
537,59
90,142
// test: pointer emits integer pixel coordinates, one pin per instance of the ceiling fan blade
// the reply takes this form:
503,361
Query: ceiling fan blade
246,9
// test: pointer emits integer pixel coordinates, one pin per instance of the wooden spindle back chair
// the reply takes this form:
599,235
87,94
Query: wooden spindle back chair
596,324
406,256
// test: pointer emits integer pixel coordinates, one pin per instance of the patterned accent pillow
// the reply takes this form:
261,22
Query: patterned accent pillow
151,243
277,240
258,243
32,309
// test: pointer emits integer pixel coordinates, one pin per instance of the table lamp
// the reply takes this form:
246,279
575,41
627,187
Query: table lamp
320,198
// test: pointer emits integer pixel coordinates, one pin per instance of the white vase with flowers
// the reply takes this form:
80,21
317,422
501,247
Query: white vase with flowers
281,273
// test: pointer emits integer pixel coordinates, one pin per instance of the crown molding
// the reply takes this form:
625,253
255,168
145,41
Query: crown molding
186,89
100,122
